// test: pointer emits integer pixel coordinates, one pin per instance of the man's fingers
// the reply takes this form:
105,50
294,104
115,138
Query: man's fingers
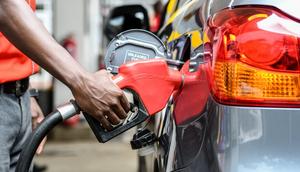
124,102
38,120
118,109
41,146
105,123
113,118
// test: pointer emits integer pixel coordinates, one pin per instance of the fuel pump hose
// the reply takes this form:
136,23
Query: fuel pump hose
60,114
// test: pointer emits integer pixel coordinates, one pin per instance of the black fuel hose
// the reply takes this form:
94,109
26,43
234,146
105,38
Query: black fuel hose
40,132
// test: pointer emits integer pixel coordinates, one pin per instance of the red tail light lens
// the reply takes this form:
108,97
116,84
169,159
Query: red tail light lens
255,57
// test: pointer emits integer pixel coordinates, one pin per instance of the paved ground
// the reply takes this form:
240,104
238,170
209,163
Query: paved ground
88,156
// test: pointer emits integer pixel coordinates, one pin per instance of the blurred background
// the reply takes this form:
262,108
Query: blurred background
84,28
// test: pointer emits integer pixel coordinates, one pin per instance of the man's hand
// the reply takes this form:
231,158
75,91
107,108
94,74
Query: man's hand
37,117
97,95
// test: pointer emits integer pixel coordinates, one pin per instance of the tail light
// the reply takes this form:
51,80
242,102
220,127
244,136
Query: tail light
255,57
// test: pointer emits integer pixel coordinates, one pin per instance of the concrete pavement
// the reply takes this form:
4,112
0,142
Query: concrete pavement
88,156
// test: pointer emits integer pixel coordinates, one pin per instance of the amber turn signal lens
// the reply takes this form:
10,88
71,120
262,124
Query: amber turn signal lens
241,81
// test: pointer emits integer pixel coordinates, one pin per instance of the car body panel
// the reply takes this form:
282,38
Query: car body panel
254,139
181,22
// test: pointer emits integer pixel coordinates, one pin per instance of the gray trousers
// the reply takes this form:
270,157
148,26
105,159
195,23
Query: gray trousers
15,127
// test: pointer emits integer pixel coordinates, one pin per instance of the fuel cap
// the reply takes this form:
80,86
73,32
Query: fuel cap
133,45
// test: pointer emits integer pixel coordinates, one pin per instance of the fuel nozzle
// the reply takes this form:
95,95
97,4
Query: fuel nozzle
151,82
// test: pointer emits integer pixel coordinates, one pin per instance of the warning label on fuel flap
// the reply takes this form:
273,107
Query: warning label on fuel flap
133,56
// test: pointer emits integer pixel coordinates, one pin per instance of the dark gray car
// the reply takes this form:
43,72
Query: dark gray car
243,112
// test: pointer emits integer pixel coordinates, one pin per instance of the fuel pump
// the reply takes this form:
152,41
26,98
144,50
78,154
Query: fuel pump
136,57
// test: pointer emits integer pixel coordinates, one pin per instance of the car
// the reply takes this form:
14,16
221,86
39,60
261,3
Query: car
234,76
242,113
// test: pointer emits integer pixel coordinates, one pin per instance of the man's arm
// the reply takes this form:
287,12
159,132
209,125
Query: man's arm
95,93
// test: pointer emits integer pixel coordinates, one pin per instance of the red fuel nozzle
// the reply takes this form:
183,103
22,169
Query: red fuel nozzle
152,80
152,83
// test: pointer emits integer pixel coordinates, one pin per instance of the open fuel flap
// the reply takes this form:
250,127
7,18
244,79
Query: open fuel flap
133,45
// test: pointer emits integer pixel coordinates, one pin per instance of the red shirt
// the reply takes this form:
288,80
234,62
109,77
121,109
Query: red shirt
14,65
